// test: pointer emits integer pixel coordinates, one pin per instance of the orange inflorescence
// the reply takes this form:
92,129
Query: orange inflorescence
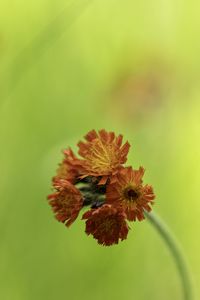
114,193
107,224
131,194
103,154
69,168
66,202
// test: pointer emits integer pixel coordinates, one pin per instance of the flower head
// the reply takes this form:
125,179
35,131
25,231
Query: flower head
103,154
99,180
107,224
69,169
66,202
131,194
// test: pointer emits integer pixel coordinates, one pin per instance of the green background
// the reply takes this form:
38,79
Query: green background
67,67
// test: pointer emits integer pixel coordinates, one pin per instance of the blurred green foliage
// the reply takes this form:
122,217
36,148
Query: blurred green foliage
64,68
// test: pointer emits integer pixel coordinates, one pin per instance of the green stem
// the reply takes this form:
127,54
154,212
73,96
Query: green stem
177,254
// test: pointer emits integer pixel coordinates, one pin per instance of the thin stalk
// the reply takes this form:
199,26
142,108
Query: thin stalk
176,252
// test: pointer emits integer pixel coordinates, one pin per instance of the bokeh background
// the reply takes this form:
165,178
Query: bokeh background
67,67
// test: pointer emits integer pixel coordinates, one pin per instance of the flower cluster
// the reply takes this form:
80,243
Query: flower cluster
98,178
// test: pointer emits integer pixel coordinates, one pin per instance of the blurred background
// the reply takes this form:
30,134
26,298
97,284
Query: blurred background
67,67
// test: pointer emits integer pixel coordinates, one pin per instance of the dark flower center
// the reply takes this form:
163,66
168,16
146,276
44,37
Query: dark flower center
131,194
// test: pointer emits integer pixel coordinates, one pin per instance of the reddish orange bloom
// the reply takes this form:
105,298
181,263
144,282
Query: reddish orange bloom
70,167
107,224
99,180
66,202
103,154
130,193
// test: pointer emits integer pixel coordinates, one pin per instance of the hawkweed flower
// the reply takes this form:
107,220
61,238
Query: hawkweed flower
70,168
131,194
66,202
114,194
99,180
106,224
103,154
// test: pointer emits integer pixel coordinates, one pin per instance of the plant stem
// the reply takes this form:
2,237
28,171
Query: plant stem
176,252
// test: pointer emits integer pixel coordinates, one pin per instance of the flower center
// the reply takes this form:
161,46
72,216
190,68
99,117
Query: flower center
131,194
102,157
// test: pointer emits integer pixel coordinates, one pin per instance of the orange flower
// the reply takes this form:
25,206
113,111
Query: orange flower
99,180
130,193
66,202
107,224
103,154
70,167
